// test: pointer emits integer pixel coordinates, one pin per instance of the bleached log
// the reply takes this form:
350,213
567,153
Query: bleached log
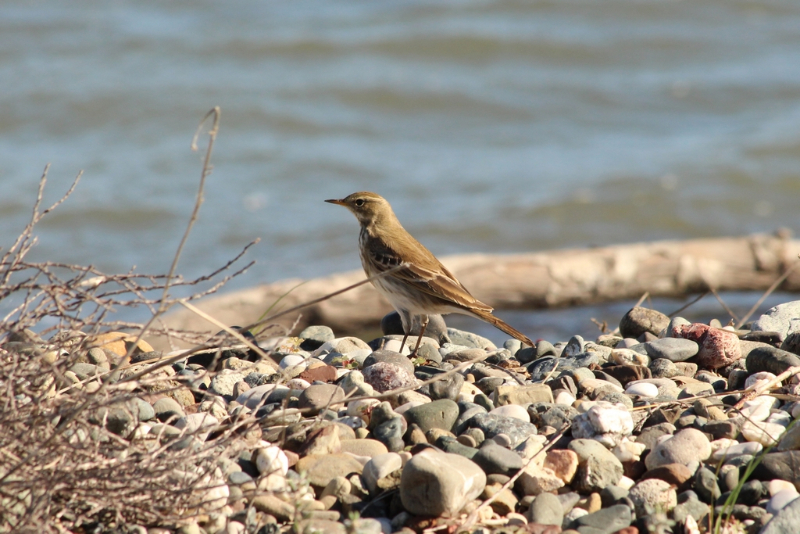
534,280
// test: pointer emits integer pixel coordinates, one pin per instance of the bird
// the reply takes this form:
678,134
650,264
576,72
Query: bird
419,284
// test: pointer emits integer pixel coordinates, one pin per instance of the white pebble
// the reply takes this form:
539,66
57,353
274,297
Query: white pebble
764,433
394,346
361,408
780,500
465,397
777,485
293,361
272,460
751,447
780,418
758,378
758,409
626,483
628,451
574,514
642,389
298,384
610,419
565,398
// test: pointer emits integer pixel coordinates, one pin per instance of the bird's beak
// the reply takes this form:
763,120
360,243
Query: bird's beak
335,201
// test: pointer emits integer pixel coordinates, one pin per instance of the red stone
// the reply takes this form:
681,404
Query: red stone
676,474
633,469
720,348
695,331
323,373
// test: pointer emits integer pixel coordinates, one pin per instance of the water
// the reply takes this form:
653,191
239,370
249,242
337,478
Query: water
490,126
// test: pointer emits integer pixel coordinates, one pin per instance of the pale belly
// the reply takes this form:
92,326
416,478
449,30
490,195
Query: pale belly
422,304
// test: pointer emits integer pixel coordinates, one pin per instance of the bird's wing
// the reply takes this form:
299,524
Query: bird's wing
424,273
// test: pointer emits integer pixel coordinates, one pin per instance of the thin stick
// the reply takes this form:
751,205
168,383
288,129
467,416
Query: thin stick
722,302
644,296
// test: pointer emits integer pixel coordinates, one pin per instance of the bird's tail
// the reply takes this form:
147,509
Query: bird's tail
501,325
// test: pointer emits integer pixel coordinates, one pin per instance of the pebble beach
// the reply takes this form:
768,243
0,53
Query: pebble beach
658,426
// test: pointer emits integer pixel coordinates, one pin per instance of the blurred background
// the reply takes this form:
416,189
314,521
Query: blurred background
490,126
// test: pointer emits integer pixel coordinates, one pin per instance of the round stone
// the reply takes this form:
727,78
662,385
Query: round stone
654,494
688,445
546,509
494,459
640,320
385,377
320,396
389,356
663,368
295,363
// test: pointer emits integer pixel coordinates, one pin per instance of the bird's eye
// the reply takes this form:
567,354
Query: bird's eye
359,202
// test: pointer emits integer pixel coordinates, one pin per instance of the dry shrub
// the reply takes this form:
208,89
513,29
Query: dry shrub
71,458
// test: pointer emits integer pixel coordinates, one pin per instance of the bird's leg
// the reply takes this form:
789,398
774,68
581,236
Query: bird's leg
424,323
408,323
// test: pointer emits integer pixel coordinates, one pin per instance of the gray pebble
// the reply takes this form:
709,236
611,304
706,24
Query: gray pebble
493,424
663,368
639,320
319,333
468,339
674,349
783,318
546,509
494,459
771,360
574,346
437,414
447,388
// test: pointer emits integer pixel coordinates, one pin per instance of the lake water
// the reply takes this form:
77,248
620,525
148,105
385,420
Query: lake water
490,126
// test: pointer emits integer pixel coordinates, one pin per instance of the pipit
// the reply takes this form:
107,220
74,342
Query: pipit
423,286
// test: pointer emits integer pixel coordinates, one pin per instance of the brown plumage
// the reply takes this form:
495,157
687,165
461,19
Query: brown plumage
424,286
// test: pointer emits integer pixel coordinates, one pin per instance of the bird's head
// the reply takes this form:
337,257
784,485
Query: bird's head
366,206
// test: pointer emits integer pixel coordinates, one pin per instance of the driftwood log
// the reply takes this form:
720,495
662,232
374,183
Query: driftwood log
529,281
